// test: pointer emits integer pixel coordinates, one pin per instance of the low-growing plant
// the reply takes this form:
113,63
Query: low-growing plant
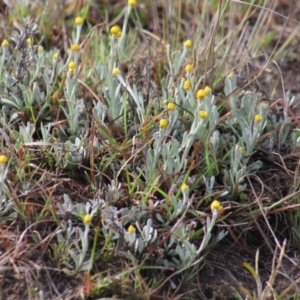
133,175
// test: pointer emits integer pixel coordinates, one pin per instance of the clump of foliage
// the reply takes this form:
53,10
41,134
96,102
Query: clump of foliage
124,183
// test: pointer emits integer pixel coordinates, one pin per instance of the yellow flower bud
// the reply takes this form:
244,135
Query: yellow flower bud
5,43
78,21
171,105
72,66
75,47
201,94
29,41
207,89
187,85
116,71
216,204
163,123
188,43
40,48
87,219
3,159
132,2
116,31
258,118
184,187
189,67
56,55
131,228
202,114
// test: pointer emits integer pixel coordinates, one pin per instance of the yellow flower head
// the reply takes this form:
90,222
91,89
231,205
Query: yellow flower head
207,89
171,105
132,2
202,93
163,123
87,219
56,55
231,74
184,187
75,47
116,31
216,204
203,114
131,228
116,71
189,67
72,66
29,41
187,85
40,48
241,148
3,159
258,118
78,21
5,43
188,43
